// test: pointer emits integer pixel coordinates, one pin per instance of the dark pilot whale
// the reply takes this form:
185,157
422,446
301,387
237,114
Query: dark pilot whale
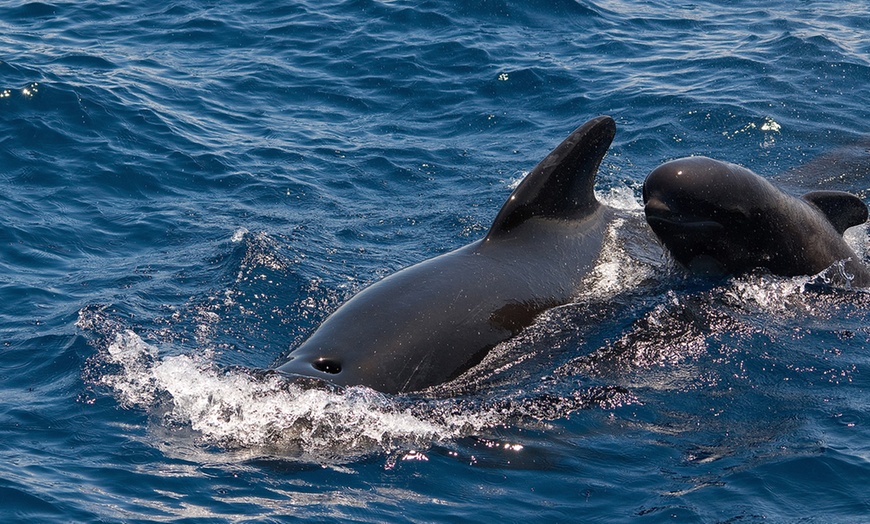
719,218
430,322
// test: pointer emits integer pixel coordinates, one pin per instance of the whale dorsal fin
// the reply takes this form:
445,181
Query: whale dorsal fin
561,185
843,210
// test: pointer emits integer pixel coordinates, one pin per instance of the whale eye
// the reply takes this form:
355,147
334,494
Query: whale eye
327,365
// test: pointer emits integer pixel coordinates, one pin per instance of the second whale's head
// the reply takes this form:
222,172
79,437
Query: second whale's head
719,218
702,209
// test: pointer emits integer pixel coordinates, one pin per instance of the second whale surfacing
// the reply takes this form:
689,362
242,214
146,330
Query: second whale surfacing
719,218
430,322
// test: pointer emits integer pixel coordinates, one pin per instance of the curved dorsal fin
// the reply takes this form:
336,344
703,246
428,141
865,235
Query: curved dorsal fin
843,210
561,185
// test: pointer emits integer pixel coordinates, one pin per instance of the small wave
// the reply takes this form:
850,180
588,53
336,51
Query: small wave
858,240
238,408
630,254
620,197
789,297
770,293
259,413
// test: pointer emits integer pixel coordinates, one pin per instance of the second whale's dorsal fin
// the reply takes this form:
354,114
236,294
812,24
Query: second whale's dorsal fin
843,210
562,185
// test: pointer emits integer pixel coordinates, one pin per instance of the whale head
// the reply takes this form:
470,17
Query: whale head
718,218
705,211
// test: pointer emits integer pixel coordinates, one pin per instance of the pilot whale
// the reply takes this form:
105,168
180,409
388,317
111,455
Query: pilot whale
432,321
719,218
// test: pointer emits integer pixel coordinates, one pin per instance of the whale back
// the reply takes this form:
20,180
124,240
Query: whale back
432,321
843,210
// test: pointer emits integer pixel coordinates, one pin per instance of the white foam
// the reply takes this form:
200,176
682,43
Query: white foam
616,270
134,385
514,182
239,235
785,296
238,409
857,238
772,294
620,197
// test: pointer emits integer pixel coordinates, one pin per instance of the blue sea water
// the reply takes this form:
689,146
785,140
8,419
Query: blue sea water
190,187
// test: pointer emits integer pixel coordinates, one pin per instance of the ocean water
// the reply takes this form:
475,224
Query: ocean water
190,187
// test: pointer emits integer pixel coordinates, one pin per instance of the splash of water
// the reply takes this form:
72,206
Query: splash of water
238,408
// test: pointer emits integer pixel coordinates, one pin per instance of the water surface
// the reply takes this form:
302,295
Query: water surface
189,188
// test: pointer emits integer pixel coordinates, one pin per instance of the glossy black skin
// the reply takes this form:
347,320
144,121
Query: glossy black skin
428,323
719,218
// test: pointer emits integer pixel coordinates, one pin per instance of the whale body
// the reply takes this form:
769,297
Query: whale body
719,218
430,322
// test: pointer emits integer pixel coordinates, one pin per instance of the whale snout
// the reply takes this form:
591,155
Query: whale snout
660,188
691,198
655,207
657,210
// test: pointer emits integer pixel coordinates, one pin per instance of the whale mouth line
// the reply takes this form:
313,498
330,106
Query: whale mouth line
660,215
685,224
309,382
